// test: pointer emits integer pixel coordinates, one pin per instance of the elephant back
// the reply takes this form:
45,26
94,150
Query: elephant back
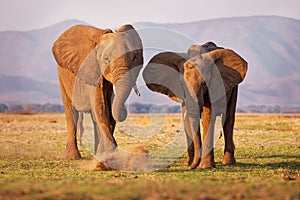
73,46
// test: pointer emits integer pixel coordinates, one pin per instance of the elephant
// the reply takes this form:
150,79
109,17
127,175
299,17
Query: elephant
205,81
97,69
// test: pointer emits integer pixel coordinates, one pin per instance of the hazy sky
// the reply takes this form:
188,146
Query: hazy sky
34,14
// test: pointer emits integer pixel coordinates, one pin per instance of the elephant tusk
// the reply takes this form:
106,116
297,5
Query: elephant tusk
184,115
114,89
137,92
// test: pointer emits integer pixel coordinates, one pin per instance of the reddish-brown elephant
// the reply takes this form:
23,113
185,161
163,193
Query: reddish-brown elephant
205,80
97,70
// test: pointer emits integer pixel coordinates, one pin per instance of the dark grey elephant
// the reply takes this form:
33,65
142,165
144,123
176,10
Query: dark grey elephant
205,80
97,70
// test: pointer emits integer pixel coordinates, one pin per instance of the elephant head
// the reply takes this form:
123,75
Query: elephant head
187,77
198,50
94,54
215,72
165,71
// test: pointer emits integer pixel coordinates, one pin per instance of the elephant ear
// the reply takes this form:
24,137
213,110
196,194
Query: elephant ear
89,70
210,46
75,44
163,74
230,67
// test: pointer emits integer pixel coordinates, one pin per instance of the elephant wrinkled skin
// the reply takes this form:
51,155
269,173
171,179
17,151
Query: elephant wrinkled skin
97,70
205,80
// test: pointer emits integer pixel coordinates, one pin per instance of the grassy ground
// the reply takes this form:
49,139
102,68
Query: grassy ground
267,153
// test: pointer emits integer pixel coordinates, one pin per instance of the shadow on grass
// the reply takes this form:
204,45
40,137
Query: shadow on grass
292,165
280,156
239,167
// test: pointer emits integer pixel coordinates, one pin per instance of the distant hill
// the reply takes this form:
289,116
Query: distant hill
270,44
27,68
16,89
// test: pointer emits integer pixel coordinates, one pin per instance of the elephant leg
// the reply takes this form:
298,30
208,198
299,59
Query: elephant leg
104,125
228,128
96,133
80,126
106,146
101,131
190,144
71,151
207,158
112,125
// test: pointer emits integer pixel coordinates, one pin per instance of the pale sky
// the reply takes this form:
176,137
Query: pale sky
35,14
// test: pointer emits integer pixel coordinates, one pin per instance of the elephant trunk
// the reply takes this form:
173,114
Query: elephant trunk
124,79
122,89
193,113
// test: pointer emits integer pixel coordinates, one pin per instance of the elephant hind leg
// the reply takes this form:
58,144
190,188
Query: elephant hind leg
228,129
96,133
79,126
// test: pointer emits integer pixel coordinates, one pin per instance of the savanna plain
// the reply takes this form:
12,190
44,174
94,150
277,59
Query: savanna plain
31,164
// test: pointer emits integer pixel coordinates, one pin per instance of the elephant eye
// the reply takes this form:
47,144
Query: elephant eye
190,66
106,59
135,58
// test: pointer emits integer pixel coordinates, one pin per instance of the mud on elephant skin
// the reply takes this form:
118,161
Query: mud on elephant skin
97,70
205,81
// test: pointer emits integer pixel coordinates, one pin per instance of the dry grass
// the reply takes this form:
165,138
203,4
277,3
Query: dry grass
267,152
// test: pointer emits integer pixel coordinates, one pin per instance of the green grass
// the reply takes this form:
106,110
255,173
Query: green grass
267,153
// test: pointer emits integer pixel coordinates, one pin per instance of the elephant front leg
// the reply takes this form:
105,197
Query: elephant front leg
71,151
190,151
106,153
105,142
190,144
228,129
207,159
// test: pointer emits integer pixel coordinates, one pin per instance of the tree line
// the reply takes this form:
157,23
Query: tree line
269,109
31,108
141,108
57,108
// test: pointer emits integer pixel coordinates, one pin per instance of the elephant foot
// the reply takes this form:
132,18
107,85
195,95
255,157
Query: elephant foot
195,164
72,154
188,161
207,162
228,158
